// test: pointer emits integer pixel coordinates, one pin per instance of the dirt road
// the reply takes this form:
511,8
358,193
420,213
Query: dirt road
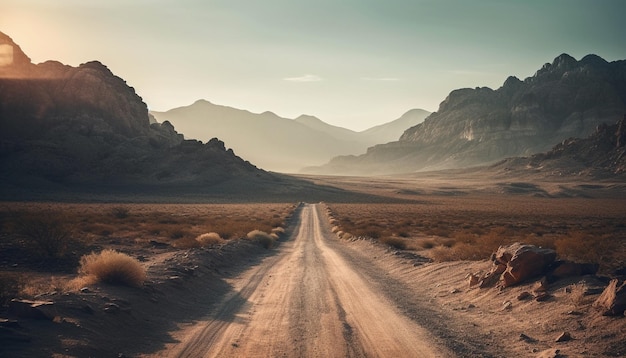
306,301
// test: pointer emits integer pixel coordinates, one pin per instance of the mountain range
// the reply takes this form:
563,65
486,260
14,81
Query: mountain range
75,130
281,144
566,98
69,133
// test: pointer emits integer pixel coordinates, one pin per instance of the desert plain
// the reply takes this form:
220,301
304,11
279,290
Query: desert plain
382,278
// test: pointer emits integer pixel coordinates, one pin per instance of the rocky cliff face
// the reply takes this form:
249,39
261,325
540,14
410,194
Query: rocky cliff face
62,125
565,98
601,155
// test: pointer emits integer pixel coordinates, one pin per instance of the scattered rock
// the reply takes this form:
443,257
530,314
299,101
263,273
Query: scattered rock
541,286
111,307
612,301
574,313
507,305
85,290
524,296
563,337
526,338
10,323
491,277
543,296
32,309
473,280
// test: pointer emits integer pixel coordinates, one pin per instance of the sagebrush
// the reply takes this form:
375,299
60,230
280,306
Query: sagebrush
112,267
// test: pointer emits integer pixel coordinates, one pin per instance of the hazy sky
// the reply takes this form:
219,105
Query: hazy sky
353,63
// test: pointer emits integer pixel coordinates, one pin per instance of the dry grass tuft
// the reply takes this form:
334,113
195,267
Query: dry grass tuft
266,240
110,266
209,239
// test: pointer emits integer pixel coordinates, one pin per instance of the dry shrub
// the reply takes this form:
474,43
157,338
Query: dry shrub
442,253
34,286
461,251
120,212
209,238
110,266
395,242
445,242
585,248
49,233
266,240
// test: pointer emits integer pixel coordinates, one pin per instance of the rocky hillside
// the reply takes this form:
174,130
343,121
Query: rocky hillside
565,98
276,143
601,155
67,127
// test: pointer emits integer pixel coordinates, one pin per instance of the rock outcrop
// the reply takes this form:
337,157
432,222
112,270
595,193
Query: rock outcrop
564,99
612,301
602,154
514,264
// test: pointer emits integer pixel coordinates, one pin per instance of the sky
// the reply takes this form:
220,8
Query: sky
351,63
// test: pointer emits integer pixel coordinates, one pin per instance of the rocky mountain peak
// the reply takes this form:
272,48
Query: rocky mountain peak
565,98
12,58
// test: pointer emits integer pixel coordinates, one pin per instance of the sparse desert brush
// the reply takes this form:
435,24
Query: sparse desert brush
266,240
33,287
110,266
209,238
395,242
120,212
49,233
460,251
586,248
442,254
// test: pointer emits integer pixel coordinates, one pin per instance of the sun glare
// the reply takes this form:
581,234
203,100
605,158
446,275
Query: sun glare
6,55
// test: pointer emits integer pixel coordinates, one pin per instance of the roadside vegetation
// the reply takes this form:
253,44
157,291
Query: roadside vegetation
43,246
445,229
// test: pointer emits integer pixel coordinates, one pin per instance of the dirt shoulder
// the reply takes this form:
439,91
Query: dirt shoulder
491,322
